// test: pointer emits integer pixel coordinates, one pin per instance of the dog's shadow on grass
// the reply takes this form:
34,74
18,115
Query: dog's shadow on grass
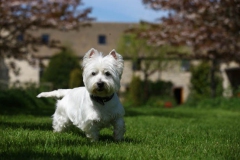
106,138
29,154
168,113
103,137
26,125
109,139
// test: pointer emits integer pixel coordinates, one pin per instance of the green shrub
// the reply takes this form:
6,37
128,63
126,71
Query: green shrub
161,101
23,99
218,102
76,79
160,88
59,69
201,83
150,93
135,95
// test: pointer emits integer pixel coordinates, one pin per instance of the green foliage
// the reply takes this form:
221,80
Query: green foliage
59,69
145,92
131,46
139,50
160,88
76,79
161,101
151,133
200,80
134,47
135,94
148,59
15,100
218,102
201,83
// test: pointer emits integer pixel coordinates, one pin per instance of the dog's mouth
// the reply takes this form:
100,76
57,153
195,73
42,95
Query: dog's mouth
100,89
101,92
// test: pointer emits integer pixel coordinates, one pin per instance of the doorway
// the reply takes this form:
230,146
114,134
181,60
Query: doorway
178,94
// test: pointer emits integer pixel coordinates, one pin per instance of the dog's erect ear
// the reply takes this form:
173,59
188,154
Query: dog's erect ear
115,55
119,60
91,53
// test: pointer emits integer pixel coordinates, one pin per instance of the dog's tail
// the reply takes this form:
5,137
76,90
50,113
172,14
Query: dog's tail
57,93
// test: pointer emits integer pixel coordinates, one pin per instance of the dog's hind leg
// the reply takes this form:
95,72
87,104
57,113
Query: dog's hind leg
60,122
60,119
92,131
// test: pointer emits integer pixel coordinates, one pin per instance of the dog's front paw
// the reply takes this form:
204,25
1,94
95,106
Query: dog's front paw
93,137
119,129
118,137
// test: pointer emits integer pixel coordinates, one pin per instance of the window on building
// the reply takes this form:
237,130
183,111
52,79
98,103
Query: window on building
20,38
136,65
185,65
102,39
45,38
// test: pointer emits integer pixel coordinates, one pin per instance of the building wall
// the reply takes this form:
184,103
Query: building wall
86,38
24,72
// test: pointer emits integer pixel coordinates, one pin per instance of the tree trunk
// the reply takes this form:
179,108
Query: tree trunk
213,78
146,86
4,77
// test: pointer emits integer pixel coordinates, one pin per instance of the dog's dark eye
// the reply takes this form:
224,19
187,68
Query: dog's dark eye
108,74
93,73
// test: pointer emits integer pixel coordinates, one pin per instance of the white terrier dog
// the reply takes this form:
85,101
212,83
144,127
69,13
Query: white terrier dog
96,105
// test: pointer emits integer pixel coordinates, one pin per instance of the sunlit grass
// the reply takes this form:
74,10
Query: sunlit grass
152,133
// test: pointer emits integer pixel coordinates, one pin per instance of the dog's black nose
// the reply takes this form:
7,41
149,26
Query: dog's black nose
100,84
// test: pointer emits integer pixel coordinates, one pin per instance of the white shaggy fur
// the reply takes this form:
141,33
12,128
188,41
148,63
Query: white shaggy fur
101,76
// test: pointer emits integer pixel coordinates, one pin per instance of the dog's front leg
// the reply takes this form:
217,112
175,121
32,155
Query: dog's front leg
119,129
93,132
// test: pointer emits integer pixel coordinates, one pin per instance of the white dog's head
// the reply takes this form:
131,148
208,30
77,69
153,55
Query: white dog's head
101,75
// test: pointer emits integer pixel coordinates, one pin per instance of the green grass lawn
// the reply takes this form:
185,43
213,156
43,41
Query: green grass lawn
152,133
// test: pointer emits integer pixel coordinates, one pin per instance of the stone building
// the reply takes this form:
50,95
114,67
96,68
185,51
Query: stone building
104,37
